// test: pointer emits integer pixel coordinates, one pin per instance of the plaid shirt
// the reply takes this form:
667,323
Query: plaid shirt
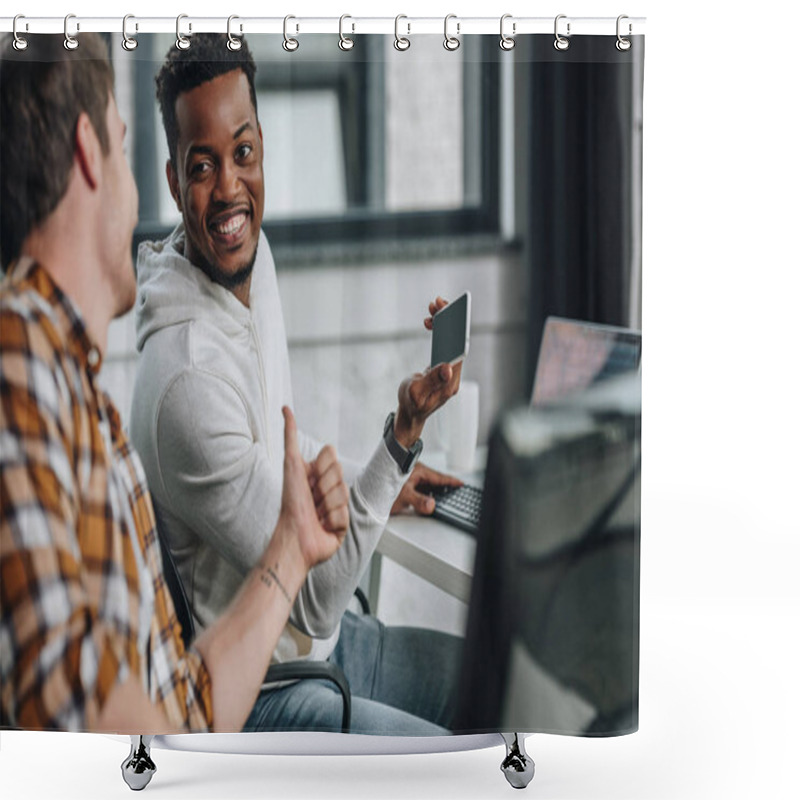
83,603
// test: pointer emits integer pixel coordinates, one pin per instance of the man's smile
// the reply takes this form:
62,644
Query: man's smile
229,228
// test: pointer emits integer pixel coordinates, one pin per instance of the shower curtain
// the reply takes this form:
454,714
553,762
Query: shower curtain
396,170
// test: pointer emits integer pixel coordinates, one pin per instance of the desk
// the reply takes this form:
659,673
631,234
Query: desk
435,551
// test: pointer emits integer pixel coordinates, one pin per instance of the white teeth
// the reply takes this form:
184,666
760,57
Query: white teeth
233,225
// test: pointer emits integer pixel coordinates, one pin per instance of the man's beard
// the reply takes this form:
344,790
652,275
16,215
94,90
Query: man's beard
226,280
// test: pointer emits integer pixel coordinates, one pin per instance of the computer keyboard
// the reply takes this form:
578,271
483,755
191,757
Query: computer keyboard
460,506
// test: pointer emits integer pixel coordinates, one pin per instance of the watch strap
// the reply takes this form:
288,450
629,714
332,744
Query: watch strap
405,458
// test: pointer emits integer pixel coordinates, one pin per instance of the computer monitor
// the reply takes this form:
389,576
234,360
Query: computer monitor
575,355
552,641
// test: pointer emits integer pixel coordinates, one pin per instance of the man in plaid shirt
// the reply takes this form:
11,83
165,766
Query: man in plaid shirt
89,639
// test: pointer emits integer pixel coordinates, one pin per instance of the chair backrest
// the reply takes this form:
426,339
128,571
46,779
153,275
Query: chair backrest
175,585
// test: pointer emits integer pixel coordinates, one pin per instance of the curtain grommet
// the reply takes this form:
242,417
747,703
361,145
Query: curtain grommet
129,43
234,42
401,43
345,42
622,44
181,41
451,43
70,42
290,44
561,43
20,43
507,42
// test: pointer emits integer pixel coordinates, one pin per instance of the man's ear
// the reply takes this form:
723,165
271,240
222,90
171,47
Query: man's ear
88,151
174,185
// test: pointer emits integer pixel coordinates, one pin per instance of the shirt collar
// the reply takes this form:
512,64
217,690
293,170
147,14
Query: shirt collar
27,271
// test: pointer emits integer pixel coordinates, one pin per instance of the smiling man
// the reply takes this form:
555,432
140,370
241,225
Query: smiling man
212,377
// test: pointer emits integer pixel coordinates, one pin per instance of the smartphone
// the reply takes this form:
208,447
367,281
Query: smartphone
451,332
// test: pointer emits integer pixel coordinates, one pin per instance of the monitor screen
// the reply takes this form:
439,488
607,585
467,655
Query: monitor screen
552,641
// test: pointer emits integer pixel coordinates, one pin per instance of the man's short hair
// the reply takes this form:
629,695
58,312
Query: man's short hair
207,58
43,91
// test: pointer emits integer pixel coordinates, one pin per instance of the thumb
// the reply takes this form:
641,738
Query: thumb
422,503
291,448
445,373
295,470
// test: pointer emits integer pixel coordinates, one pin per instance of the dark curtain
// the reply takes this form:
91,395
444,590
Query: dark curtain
581,222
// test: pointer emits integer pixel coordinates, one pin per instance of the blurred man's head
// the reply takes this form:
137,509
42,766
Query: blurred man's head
43,91
208,105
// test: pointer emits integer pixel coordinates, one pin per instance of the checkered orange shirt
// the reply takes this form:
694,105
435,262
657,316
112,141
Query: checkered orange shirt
83,603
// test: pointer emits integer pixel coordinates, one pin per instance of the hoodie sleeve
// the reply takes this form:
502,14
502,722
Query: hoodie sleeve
220,481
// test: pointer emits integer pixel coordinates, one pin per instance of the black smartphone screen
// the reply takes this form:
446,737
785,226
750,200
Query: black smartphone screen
450,332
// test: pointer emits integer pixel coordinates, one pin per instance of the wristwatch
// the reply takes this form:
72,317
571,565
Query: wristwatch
405,458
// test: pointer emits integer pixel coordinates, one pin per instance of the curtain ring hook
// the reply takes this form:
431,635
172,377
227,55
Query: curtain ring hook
623,44
290,44
451,43
181,42
128,42
345,42
20,43
70,42
234,42
401,43
507,42
561,43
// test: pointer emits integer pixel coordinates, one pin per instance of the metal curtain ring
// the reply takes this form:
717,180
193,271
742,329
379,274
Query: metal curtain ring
345,42
401,42
289,44
19,42
234,42
451,43
70,42
181,42
507,42
128,42
561,43
623,44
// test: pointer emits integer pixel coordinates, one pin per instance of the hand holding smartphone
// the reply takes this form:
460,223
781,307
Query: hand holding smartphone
450,342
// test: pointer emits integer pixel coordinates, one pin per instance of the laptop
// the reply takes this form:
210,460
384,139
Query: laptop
573,356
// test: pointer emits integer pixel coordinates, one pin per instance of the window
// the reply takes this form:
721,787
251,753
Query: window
367,146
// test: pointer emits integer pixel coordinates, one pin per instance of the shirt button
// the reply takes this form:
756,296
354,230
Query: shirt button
93,357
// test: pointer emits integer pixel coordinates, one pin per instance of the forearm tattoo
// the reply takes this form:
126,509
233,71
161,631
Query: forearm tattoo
269,577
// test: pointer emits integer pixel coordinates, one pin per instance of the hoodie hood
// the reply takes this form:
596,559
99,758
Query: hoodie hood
171,290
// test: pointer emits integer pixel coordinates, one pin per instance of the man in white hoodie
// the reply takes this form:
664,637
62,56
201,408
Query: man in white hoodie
212,377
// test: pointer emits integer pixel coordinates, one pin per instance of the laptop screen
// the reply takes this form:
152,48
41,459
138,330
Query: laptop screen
575,355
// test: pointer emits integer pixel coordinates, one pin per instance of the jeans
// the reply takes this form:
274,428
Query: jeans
403,682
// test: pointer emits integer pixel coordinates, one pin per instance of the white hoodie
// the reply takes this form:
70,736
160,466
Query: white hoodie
206,420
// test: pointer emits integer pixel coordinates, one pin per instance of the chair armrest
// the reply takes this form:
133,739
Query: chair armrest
363,602
314,670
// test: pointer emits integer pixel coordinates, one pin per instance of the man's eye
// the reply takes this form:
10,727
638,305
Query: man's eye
243,151
199,169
